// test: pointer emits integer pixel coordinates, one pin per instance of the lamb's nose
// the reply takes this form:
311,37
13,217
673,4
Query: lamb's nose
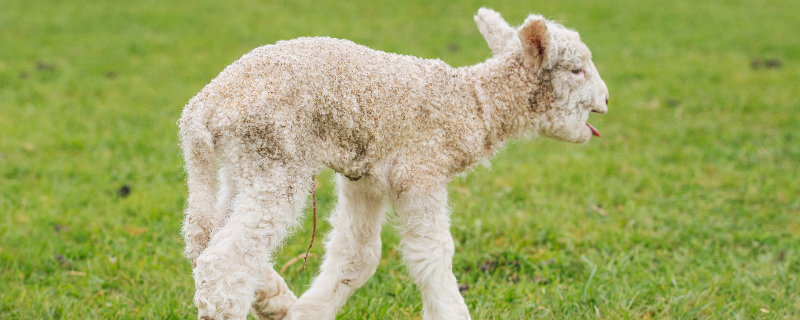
601,109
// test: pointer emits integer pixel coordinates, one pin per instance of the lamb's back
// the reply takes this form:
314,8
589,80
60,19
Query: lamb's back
352,104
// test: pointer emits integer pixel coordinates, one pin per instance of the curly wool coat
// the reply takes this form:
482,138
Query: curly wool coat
395,128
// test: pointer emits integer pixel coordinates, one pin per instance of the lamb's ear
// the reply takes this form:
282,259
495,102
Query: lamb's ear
494,29
537,40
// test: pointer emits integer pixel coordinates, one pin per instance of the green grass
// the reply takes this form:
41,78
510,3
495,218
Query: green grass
696,173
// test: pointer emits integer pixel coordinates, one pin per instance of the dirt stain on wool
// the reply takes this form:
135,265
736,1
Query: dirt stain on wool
542,98
263,138
353,142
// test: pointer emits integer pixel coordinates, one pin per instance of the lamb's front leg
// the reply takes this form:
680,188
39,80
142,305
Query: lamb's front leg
352,252
428,252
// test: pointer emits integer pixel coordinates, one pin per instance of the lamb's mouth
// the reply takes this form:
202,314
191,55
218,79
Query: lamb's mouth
594,131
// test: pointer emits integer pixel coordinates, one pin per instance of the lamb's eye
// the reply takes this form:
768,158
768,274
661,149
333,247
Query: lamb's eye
577,71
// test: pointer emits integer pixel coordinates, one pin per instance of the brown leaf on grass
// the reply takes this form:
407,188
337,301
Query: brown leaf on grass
133,231
294,260
599,210
463,288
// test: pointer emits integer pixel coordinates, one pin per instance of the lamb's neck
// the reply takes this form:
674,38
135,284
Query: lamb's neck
503,87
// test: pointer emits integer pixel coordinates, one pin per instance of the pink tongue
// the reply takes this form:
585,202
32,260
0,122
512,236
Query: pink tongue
594,131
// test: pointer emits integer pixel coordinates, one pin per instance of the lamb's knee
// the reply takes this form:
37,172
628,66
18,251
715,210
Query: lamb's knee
355,258
196,238
224,283
273,298
428,256
221,295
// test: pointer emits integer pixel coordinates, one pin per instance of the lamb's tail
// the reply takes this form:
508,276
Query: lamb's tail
198,150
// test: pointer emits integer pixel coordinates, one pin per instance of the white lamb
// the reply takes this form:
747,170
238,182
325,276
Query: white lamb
395,128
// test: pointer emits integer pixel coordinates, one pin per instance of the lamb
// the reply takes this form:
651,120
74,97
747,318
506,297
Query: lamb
395,128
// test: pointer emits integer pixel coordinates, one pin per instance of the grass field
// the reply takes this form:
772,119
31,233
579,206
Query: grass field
686,208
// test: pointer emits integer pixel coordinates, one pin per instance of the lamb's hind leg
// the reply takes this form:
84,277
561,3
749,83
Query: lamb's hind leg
352,252
233,266
273,296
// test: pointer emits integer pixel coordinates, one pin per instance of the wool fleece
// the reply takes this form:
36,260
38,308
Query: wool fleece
395,128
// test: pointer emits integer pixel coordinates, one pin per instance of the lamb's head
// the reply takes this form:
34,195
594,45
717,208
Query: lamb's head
565,85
